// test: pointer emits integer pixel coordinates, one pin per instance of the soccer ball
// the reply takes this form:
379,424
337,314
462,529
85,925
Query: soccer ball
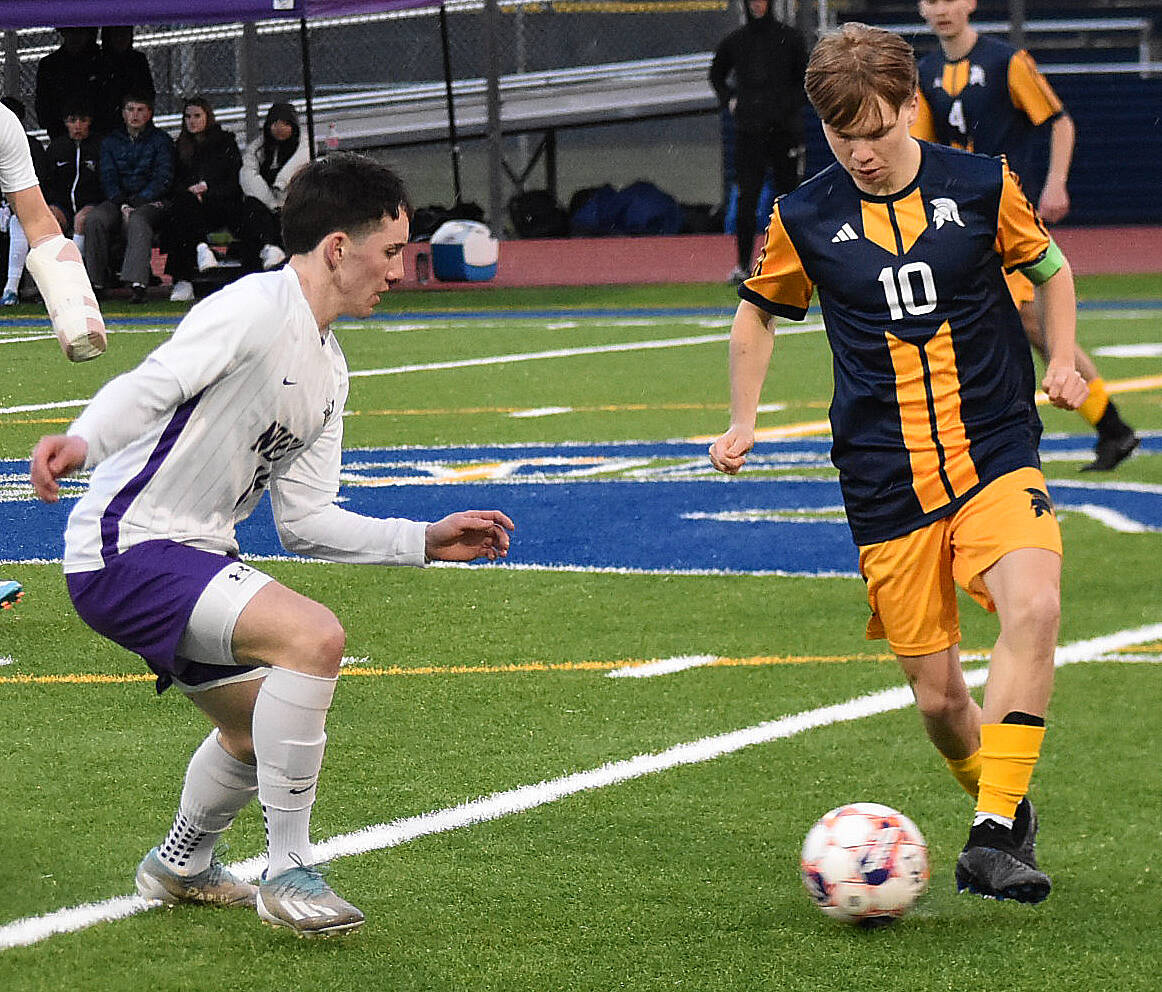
865,864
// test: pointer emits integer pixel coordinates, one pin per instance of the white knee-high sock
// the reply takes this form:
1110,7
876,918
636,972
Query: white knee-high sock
17,253
216,789
289,740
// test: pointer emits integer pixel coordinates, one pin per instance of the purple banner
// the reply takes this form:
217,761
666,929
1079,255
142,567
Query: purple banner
70,13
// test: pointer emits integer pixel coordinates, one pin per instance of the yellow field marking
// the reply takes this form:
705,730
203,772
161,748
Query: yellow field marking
805,429
1140,384
44,420
374,671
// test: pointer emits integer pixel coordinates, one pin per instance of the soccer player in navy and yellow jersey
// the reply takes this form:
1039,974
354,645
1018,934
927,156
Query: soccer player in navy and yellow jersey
933,417
983,95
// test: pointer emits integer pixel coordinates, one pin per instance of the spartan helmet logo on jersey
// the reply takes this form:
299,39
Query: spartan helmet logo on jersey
945,210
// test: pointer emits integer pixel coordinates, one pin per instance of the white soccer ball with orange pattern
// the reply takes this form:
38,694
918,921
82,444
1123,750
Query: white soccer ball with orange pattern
865,863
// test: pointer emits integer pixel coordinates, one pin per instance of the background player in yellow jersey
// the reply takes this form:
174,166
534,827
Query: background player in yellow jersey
933,417
981,94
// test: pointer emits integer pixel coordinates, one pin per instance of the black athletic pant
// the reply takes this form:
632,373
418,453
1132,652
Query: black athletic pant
754,151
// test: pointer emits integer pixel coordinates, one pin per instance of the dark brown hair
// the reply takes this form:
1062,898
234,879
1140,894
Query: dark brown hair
855,65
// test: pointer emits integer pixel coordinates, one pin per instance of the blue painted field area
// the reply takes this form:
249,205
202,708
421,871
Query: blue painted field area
640,506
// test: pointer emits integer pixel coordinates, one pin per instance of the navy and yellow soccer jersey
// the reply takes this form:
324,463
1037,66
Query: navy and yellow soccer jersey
934,386
988,102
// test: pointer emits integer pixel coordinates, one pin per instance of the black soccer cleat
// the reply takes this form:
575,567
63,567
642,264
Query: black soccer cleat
1001,863
1111,450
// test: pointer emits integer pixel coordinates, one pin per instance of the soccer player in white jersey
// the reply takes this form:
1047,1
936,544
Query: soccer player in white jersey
246,396
54,261
55,264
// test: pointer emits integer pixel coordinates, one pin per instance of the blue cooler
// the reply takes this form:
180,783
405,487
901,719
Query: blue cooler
464,251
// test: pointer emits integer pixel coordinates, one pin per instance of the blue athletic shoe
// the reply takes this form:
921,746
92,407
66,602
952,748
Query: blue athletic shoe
11,593
9,300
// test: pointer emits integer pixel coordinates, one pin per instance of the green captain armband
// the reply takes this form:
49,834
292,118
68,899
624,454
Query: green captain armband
1047,266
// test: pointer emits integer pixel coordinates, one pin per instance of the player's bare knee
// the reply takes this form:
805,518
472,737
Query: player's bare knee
318,646
237,743
940,702
1035,612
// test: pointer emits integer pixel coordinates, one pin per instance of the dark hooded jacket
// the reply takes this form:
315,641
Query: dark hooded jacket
763,64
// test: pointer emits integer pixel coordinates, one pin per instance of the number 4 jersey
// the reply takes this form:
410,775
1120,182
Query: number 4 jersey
934,386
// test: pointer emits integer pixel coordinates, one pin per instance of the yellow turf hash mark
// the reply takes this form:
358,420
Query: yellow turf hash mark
372,671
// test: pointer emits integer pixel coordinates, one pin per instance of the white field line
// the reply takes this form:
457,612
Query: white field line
666,666
528,356
33,929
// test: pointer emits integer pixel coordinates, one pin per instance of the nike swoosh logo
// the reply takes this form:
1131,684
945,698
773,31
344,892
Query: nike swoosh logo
299,792
289,382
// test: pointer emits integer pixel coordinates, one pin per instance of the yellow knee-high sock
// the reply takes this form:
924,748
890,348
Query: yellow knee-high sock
1096,402
1008,753
966,771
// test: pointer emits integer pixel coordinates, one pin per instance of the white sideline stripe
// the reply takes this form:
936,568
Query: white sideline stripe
528,356
663,666
34,407
33,929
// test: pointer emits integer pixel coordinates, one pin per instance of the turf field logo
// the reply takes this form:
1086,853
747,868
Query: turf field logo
945,211
1039,502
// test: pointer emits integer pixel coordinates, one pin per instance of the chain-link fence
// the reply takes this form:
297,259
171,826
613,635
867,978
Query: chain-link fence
369,72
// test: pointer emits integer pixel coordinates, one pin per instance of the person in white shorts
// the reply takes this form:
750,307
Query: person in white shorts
53,260
247,396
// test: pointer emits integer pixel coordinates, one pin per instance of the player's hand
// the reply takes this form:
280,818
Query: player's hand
1054,203
1064,386
55,456
728,453
467,535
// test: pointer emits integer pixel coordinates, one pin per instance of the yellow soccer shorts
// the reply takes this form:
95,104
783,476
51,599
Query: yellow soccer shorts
911,580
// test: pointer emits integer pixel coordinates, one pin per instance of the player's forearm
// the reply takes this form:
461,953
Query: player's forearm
752,341
37,220
1062,136
1059,302
333,534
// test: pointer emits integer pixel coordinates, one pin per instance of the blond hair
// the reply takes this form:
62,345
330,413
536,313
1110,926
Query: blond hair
851,68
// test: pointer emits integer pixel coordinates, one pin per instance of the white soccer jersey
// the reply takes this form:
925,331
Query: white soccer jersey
16,171
245,396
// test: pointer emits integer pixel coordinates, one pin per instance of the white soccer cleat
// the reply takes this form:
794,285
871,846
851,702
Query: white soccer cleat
60,276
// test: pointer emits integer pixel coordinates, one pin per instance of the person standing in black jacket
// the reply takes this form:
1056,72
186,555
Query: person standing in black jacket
207,195
758,73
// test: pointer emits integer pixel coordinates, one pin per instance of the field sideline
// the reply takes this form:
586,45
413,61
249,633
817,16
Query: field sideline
590,768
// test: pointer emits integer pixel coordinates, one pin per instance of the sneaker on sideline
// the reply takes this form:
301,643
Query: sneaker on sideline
9,300
298,898
182,292
206,258
271,256
11,593
1000,862
215,886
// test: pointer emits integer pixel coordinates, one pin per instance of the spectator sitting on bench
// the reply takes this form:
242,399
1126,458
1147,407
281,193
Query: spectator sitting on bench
207,195
136,169
270,162
72,180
